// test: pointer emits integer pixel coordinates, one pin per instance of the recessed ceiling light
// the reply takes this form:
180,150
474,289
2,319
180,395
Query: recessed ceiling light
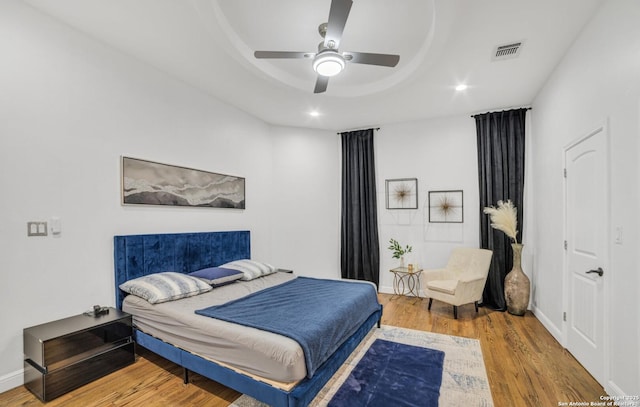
461,87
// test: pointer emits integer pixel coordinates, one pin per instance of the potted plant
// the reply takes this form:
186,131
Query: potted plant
398,251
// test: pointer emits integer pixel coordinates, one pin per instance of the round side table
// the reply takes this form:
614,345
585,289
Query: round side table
406,282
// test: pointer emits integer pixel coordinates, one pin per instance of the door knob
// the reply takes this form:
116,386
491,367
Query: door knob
599,271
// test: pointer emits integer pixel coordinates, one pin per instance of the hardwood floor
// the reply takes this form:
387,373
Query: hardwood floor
525,365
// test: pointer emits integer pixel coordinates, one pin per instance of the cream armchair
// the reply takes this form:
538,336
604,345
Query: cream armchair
461,281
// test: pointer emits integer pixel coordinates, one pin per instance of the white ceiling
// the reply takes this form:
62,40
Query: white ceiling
442,43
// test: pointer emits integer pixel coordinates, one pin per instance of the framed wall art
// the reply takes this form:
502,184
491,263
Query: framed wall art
402,193
446,206
151,183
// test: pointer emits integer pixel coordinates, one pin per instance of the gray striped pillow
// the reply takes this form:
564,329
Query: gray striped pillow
167,286
250,268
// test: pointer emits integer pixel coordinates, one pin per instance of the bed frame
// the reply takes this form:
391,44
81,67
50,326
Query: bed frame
139,255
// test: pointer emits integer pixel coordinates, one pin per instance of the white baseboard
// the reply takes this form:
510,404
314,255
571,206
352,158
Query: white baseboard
550,326
613,390
11,380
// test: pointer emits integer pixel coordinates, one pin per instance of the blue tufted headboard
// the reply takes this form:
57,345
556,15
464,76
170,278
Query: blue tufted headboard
139,255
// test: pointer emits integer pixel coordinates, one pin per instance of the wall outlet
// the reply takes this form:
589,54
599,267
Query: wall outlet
56,226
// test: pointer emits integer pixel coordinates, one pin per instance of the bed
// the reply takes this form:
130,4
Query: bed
288,385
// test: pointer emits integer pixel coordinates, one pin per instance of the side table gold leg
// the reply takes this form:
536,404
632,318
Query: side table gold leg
412,285
396,286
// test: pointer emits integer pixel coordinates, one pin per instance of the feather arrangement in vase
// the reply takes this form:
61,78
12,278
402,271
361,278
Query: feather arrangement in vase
504,218
517,287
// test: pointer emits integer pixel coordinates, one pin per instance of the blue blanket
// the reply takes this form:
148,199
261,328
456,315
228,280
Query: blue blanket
318,314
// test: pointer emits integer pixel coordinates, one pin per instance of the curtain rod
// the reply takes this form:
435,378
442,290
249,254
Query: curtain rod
339,133
500,111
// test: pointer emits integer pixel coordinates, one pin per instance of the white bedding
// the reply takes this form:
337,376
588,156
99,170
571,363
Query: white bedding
260,353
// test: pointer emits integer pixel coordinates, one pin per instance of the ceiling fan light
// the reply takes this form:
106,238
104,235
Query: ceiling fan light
328,64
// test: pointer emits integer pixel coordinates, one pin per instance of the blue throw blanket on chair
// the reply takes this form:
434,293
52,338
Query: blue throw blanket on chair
318,314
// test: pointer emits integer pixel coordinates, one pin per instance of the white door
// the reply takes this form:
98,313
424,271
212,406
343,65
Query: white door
586,188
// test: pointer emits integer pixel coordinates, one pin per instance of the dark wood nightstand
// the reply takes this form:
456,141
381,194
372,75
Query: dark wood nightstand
63,355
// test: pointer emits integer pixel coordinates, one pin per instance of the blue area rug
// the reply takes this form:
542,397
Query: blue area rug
393,374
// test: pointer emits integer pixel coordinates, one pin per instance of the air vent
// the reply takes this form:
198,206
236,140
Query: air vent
507,51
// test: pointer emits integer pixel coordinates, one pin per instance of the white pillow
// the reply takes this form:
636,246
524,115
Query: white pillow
167,286
250,268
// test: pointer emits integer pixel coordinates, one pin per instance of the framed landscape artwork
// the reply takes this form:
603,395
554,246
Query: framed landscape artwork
402,193
151,183
446,207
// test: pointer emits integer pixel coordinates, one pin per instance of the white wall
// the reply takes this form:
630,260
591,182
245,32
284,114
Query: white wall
598,81
442,155
306,201
69,108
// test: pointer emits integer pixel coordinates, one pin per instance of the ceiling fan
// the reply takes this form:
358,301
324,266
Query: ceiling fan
328,61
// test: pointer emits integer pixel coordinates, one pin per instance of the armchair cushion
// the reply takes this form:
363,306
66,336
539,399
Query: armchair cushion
443,286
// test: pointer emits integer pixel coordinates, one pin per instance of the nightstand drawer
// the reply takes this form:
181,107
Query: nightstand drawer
49,385
64,341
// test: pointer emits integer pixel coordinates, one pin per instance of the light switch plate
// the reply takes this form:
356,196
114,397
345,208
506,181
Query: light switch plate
36,228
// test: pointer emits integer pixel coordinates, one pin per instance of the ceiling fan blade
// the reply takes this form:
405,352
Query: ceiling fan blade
282,54
337,19
321,84
372,59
